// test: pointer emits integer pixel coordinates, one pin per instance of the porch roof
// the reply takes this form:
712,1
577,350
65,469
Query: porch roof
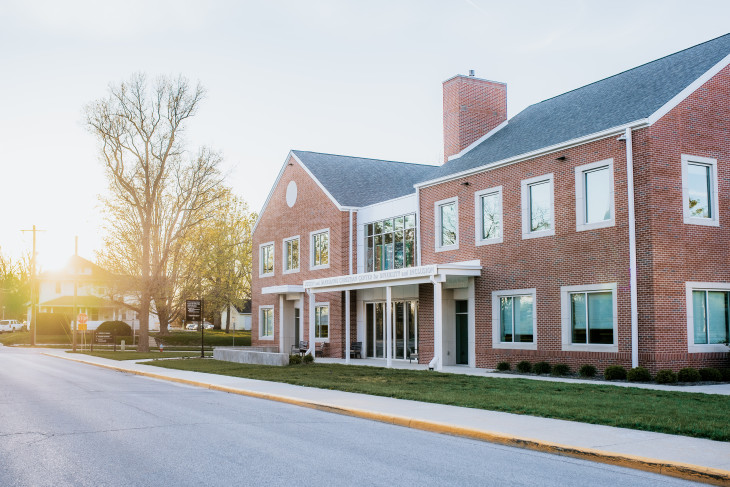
395,277
283,289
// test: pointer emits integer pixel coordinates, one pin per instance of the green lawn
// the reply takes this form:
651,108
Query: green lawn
127,355
213,338
681,413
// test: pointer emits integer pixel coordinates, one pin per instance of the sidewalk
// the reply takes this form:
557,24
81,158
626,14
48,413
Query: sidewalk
690,458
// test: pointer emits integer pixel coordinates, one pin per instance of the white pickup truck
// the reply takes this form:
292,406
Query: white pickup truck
10,325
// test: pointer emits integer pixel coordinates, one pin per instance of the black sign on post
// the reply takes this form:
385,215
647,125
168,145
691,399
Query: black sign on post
193,310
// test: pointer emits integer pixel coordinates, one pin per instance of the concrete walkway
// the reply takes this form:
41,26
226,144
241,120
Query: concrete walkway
680,456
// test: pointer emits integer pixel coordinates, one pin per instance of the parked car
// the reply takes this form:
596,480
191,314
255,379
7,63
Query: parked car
10,325
191,326
208,325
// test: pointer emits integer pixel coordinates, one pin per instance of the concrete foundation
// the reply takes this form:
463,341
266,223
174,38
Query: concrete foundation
249,356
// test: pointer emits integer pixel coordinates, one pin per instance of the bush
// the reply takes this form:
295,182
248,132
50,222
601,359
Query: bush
688,374
710,374
614,372
587,371
725,373
665,377
561,369
503,366
638,374
295,359
542,368
117,328
524,367
308,359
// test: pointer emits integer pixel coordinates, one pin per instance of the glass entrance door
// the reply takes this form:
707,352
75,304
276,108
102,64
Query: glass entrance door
404,333
462,333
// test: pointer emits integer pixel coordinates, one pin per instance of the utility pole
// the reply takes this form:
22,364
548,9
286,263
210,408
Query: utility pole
75,270
33,292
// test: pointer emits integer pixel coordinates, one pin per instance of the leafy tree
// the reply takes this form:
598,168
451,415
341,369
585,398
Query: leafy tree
14,286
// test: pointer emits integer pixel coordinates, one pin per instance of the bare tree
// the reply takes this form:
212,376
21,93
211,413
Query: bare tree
158,192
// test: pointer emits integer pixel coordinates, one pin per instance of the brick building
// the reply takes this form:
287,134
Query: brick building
591,228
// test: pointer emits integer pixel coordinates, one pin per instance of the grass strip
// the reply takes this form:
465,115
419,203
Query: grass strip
677,413
127,355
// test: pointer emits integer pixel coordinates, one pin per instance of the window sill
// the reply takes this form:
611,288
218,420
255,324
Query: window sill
270,274
582,227
269,338
542,233
446,248
571,347
514,346
490,241
292,271
705,222
707,348
319,267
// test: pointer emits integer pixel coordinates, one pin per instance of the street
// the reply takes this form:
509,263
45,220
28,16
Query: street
63,423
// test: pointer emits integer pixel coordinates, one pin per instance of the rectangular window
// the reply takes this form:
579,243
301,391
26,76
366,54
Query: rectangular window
699,190
322,321
537,207
320,249
266,325
488,216
589,317
594,195
709,314
267,259
391,243
447,224
291,254
514,319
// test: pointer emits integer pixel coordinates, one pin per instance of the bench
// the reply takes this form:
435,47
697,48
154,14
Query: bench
319,348
356,350
300,349
412,356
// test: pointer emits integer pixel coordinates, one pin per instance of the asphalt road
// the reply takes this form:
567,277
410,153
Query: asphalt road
64,423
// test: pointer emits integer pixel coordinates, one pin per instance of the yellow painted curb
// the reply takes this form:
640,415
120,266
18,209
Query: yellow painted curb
685,471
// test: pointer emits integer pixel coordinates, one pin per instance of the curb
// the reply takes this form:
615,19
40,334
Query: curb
685,471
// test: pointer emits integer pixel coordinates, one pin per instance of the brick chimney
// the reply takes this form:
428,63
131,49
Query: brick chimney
472,107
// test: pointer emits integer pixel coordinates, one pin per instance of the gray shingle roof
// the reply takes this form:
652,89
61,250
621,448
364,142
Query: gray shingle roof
357,181
623,98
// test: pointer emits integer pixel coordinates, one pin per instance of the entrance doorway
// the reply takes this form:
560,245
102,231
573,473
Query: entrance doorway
404,339
462,332
297,338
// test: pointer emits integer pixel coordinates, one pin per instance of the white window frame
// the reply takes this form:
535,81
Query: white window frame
285,255
580,196
702,347
261,259
565,318
437,221
496,336
273,322
526,222
479,216
329,322
311,250
713,221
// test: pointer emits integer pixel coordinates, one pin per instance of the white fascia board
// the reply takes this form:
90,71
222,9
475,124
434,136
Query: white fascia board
271,191
480,140
682,95
540,152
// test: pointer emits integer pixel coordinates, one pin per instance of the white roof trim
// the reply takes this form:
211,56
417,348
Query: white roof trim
283,289
539,152
480,140
271,192
682,95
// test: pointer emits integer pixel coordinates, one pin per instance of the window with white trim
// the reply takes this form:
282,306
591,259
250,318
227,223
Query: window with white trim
266,258
488,216
322,321
699,190
320,249
594,196
291,254
447,224
538,207
708,316
514,319
589,317
266,322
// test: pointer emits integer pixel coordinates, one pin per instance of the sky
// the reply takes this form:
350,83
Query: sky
359,78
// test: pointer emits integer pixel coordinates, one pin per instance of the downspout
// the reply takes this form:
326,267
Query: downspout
418,227
632,251
350,241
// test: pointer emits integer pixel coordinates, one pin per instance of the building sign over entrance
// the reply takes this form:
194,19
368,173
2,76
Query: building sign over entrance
409,272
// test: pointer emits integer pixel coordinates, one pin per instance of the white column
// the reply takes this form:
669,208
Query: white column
347,326
632,253
281,323
472,325
389,326
438,331
311,322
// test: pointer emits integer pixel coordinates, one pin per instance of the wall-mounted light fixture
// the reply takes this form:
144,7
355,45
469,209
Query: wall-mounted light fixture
561,158
465,183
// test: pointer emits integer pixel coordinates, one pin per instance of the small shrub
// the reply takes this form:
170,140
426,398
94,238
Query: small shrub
587,370
725,373
503,366
295,359
688,374
542,368
665,376
524,367
710,374
308,359
638,374
614,372
561,369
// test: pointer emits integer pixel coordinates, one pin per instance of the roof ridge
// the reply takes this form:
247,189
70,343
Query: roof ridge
367,158
626,71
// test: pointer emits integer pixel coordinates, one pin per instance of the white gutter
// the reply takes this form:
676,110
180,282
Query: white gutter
632,251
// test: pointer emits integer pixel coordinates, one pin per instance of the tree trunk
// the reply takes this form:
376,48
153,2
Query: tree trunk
228,319
144,306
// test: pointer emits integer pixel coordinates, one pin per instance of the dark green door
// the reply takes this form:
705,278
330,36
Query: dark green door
462,333
296,326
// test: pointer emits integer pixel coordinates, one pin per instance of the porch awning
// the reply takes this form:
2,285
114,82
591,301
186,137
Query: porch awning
395,277
283,289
